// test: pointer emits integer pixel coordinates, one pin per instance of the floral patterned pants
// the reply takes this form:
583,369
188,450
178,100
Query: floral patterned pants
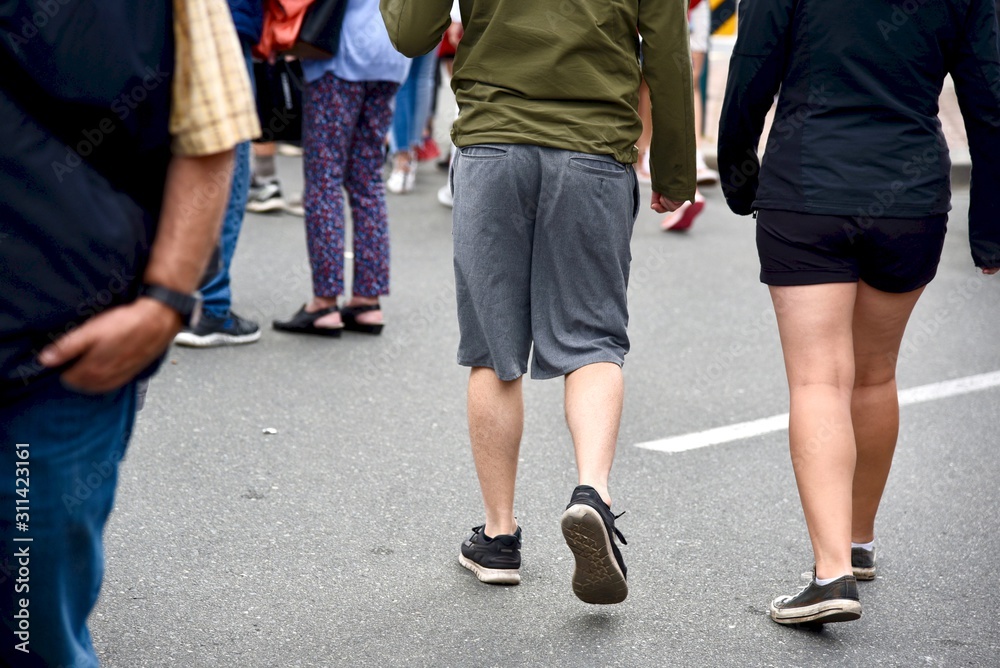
344,127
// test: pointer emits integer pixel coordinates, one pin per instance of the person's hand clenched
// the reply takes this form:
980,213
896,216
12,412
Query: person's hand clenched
661,204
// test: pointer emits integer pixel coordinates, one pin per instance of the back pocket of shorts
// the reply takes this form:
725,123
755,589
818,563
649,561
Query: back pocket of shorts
483,151
608,168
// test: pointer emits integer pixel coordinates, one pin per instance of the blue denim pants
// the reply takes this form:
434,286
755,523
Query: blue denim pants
216,295
59,455
413,104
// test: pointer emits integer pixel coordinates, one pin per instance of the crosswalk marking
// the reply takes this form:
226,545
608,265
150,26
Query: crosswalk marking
742,430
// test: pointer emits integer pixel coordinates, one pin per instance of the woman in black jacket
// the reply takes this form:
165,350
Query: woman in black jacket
851,202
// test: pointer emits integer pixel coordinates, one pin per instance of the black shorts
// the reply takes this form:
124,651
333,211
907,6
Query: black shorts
889,254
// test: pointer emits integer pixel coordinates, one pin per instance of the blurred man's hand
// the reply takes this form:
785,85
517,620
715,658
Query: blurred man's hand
661,204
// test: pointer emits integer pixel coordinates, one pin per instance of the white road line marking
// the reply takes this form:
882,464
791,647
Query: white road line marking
736,432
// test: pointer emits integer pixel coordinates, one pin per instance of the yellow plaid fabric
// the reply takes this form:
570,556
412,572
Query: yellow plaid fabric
213,108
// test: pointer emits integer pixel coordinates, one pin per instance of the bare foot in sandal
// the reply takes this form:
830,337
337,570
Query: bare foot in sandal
330,320
363,314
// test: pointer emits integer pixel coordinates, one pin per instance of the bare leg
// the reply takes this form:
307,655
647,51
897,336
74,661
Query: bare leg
263,163
366,317
814,322
698,66
594,395
879,321
320,303
265,149
496,421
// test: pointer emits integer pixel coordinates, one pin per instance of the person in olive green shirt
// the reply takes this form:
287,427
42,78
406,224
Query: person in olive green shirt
545,200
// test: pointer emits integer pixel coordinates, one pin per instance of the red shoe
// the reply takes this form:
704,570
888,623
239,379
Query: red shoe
428,150
684,216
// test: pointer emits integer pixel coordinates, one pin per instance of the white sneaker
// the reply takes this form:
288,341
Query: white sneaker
401,181
707,176
704,175
445,197
295,207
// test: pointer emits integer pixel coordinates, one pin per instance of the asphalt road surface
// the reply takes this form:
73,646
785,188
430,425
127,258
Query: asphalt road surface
334,541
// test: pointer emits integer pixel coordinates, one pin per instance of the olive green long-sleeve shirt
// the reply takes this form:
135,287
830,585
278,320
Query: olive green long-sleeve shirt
566,74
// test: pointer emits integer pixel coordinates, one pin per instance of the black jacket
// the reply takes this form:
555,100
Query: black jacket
856,130
85,91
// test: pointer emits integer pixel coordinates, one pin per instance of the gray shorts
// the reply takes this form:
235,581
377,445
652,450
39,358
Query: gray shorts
541,256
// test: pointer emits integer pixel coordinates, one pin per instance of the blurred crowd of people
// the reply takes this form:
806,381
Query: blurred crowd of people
409,124
111,213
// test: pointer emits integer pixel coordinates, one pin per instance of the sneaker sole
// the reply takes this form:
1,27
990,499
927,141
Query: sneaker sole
596,577
826,612
500,576
859,574
267,206
190,340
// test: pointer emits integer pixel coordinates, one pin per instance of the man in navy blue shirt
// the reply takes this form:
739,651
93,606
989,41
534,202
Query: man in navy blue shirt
112,188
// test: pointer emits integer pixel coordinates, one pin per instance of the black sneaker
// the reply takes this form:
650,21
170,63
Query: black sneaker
819,604
589,529
211,332
495,560
863,563
265,196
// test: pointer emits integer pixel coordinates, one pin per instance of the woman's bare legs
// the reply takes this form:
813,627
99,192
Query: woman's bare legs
840,343
814,322
879,321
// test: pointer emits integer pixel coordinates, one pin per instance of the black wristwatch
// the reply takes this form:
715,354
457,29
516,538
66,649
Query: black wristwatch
189,306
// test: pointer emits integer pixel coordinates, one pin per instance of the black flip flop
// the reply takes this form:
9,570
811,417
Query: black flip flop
349,315
304,322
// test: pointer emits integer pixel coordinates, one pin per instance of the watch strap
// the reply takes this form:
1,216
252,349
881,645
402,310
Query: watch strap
184,304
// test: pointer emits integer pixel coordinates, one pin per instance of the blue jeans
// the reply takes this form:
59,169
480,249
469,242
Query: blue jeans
413,104
56,492
215,292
